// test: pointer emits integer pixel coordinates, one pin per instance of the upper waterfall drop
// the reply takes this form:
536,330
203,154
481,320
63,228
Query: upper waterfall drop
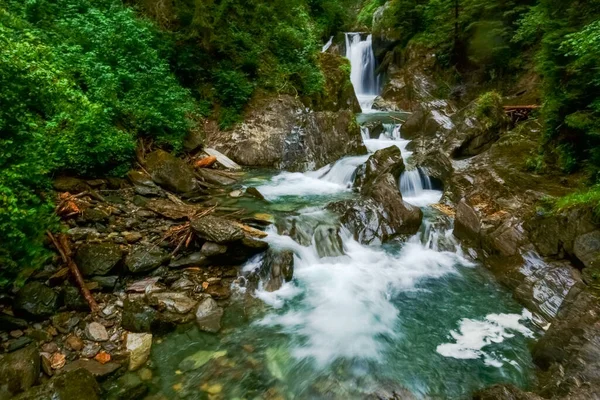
363,74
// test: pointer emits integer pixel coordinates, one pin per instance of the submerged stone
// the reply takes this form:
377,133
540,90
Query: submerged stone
200,358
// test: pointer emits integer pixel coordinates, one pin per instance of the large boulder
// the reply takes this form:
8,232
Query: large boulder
339,93
587,249
144,258
208,315
467,225
170,172
36,300
421,123
98,258
384,161
279,132
19,371
277,267
77,384
217,230
138,345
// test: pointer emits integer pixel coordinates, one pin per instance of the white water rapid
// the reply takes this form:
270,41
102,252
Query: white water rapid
397,312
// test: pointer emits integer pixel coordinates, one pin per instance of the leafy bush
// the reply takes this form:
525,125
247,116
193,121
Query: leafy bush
81,81
489,111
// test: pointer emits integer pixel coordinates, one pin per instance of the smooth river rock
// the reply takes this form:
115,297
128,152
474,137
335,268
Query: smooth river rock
36,300
208,315
138,345
170,172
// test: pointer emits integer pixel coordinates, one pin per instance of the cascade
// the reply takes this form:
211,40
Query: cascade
362,59
416,188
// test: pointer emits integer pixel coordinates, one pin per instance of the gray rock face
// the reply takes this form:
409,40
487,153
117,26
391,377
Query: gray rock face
144,258
170,172
36,300
277,267
70,385
420,123
137,316
195,259
280,133
19,370
385,161
98,258
208,315
587,249
217,230
467,225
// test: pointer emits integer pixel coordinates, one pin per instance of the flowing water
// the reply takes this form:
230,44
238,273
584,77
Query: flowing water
415,318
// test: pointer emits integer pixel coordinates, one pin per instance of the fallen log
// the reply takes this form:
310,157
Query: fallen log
206,162
62,246
516,108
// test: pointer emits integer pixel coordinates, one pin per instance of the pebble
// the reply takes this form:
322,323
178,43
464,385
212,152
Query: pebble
102,357
96,332
16,333
46,364
90,350
212,389
109,310
58,360
145,374
74,343
50,347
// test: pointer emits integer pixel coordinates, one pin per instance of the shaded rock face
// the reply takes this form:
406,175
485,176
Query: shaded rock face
420,124
570,349
504,392
277,268
587,249
339,93
467,225
144,258
36,300
19,371
70,385
170,172
98,258
280,133
388,160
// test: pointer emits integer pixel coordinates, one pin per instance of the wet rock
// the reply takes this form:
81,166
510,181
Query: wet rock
138,316
217,230
74,300
90,215
169,209
174,302
587,249
70,385
9,323
96,332
216,177
191,260
277,267
200,358
252,191
143,184
98,258
421,123
106,282
467,225
132,237
338,93
143,258
70,184
183,284
570,349
126,387
170,172
385,161
279,132
504,392
138,345
95,368
328,241
210,249
36,300
64,322
19,370
19,343
208,315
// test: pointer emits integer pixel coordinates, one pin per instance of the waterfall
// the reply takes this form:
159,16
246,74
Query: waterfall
327,45
362,59
416,188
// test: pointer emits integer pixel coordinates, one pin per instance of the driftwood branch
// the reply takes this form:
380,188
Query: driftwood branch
62,245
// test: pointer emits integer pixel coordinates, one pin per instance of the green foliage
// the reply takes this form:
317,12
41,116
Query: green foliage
489,111
365,16
581,198
81,81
